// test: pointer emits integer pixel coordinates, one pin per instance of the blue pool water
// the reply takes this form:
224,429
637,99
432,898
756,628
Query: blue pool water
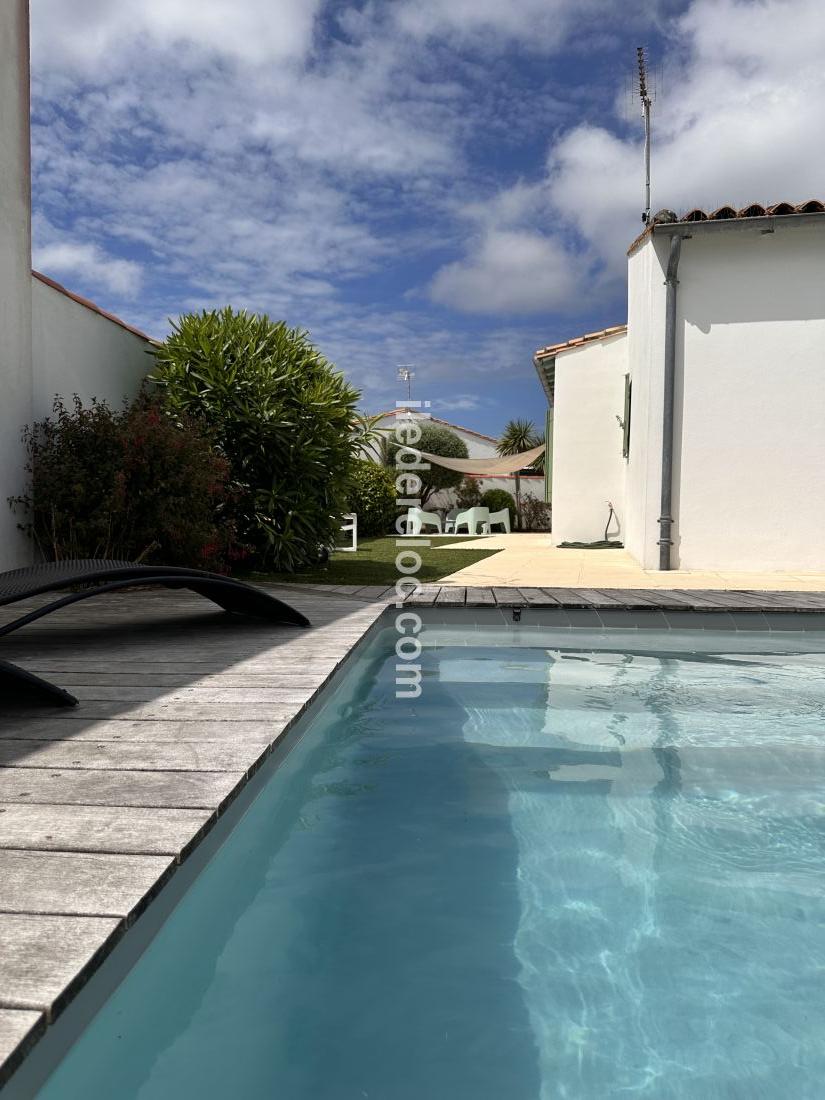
561,873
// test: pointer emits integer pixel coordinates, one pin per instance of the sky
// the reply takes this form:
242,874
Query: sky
447,184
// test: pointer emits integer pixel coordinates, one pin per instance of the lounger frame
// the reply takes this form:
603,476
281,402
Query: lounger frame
100,576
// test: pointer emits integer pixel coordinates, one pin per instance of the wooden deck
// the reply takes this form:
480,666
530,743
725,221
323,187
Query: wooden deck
99,804
180,705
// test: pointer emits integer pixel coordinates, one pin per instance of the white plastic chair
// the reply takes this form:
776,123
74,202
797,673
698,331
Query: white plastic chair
502,517
417,519
472,518
350,526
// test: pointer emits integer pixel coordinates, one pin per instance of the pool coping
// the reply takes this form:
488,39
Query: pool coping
24,1025
76,944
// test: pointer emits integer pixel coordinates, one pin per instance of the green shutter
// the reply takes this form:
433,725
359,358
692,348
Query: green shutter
628,390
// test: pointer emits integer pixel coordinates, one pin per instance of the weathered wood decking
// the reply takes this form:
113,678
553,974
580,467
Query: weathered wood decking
179,707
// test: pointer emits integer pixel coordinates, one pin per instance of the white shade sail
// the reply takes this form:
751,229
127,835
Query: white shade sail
495,466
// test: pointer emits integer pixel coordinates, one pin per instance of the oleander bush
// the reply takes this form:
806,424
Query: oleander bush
283,417
372,497
497,500
128,484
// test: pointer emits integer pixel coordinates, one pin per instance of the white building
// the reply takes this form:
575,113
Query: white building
478,446
745,350
52,342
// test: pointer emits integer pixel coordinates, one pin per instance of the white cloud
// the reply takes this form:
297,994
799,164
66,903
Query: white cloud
90,265
509,271
93,32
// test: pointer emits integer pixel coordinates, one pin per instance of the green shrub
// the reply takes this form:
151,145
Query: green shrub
497,500
535,514
372,497
127,484
468,494
281,414
436,441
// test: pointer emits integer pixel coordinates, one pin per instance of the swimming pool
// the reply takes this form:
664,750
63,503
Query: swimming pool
581,864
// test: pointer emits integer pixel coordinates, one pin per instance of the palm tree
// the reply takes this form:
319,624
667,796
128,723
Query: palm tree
518,436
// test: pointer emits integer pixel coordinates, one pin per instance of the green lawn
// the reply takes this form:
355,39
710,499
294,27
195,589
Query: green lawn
374,563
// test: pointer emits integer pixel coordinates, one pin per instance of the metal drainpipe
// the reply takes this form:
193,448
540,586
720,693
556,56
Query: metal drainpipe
665,517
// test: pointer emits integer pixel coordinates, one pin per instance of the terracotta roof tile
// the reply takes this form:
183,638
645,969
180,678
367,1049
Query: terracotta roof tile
589,337
730,213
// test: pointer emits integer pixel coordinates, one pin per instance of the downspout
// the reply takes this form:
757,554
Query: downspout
665,516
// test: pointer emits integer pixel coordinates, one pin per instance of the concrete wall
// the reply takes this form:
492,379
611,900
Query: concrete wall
588,466
77,350
15,269
749,451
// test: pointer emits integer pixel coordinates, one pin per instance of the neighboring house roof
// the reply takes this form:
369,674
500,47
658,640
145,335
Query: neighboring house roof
731,214
91,305
438,420
552,350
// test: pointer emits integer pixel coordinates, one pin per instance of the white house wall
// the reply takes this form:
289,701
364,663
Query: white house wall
588,466
76,350
750,429
15,269
749,436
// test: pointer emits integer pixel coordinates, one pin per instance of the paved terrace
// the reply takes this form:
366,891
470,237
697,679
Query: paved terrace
179,706
531,559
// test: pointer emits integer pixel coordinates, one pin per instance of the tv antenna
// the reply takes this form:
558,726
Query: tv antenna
406,374
644,95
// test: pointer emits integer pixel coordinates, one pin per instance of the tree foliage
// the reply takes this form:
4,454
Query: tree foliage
372,497
497,500
436,441
519,436
282,415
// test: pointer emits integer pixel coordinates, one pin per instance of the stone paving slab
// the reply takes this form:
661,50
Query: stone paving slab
105,787
44,954
19,1030
78,883
114,829
189,756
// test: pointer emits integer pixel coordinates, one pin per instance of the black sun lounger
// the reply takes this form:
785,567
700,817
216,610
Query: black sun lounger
100,575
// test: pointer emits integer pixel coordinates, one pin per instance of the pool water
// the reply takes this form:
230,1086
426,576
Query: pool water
562,872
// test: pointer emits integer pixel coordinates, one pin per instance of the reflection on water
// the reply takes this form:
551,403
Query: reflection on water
555,875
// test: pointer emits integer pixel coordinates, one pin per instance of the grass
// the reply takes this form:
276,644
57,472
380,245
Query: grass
374,563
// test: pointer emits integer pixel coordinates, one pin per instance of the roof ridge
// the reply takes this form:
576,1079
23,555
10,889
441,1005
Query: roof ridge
438,420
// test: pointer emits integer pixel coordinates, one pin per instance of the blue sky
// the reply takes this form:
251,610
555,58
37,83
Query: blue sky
447,183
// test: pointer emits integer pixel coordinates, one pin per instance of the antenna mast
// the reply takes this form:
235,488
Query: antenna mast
406,374
644,94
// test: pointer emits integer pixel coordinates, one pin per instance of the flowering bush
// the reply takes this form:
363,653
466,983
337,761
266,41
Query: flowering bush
535,514
128,484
